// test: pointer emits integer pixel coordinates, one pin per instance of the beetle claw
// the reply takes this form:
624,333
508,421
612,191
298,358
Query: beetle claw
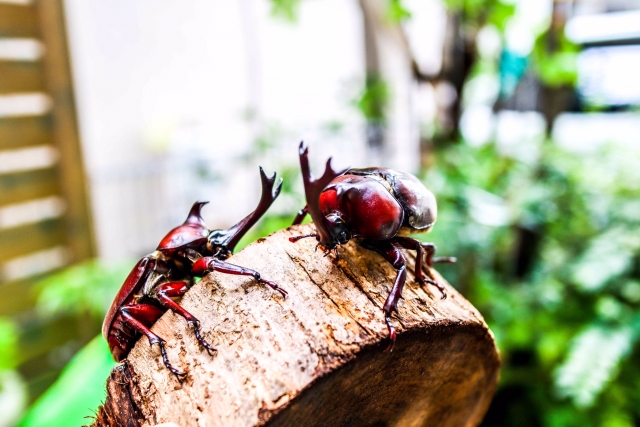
273,286
392,334
441,288
165,359
196,329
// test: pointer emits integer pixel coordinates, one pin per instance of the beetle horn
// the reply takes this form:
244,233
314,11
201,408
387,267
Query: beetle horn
194,214
312,190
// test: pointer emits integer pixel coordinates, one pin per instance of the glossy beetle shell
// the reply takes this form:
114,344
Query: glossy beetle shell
380,203
193,232
418,202
365,205
184,235
132,285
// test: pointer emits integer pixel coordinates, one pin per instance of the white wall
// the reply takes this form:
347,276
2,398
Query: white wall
163,85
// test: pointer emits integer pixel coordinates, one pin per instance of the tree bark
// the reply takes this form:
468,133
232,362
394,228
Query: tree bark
315,358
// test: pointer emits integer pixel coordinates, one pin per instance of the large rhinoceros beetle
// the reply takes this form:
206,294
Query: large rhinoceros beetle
379,207
186,251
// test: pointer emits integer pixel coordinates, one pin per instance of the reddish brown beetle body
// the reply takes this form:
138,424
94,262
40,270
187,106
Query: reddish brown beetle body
378,207
380,203
186,251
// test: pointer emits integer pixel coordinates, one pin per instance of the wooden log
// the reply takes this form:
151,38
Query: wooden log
315,358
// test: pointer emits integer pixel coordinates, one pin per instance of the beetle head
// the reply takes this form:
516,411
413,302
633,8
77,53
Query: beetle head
216,243
192,232
338,230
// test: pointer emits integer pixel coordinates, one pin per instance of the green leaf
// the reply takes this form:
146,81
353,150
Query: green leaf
373,99
77,393
396,11
286,10
607,257
87,287
8,344
13,397
593,360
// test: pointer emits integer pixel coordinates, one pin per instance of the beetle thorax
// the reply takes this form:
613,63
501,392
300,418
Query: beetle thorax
158,275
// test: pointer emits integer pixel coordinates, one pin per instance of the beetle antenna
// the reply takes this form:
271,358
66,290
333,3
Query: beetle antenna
296,238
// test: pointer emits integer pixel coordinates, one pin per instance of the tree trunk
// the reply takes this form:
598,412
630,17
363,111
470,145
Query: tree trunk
315,358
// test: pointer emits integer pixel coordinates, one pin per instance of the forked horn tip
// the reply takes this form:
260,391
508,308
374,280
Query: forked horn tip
329,167
276,191
270,178
302,150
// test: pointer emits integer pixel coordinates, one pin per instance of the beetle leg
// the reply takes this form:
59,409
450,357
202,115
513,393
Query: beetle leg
430,250
302,213
394,256
178,289
300,216
416,245
296,238
129,314
207,264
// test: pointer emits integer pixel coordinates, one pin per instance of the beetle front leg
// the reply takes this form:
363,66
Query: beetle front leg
129,314
177,289
394,256
208,264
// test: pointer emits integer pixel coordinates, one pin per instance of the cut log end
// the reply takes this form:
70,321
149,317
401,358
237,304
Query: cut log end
315,358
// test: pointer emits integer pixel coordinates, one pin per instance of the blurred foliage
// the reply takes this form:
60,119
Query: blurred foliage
8,344
555,65
396,11
86,288
73,399
372,100
286,10
85,291
289,10
483,12
549,252
13,393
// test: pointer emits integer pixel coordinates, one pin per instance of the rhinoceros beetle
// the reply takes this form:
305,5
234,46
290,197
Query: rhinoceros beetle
379,207
186,251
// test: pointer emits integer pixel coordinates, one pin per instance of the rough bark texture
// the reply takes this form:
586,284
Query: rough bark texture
314,358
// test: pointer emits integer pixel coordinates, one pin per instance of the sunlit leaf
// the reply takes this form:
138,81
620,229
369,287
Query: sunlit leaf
13,397
77,393
608,256
396,11
88,287
8,344
592,362
287,10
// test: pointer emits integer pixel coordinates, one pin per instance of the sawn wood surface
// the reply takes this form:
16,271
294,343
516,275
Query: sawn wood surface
315,358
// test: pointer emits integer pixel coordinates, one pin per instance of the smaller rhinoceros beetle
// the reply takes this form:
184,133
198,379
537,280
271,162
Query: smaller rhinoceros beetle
378,207
186,251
